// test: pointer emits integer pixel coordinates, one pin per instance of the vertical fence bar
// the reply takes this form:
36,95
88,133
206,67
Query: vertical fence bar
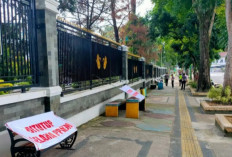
20,38
13,38
27,43
34,57
68,58
91,64
110,62
23,42
60,66
2,63
32,51
16,24
9,40
5,42
63,59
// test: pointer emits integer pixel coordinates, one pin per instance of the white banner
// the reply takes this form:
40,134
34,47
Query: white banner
132,92
44,130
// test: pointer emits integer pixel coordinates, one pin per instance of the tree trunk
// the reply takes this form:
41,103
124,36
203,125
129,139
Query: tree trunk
133,6
113,15
204,71
211,23
87,17
228,73
116,33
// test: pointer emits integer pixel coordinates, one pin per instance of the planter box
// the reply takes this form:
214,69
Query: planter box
194,93
215,109
221,120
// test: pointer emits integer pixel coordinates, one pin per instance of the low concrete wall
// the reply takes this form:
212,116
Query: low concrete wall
78,108
80,101
149,82
20,110
92,112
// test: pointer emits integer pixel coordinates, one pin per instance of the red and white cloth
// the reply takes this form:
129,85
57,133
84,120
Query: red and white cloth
132,92
44,130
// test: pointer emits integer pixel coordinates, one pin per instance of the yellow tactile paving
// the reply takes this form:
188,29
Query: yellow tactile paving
189,143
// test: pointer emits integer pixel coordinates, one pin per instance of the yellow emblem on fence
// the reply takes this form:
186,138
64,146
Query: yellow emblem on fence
104,62
98,61
135,69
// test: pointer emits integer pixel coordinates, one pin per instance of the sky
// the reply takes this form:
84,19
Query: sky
144,7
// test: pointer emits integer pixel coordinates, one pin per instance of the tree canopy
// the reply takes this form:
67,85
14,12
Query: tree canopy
179,23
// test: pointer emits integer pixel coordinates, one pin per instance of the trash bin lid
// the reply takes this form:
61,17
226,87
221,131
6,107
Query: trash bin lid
113,104
132,99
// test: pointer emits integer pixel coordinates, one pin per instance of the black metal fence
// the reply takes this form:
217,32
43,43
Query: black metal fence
149,69
159,71
134,69
18,67
85,59
155,72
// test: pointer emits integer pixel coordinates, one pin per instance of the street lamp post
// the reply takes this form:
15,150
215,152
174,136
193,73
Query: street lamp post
161,57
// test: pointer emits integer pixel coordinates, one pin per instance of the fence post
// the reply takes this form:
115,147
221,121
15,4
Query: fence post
46,11
152,73
142,59
124,63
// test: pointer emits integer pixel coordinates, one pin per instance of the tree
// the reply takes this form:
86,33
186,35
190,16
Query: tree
91,13
179,29
119,13
86,13
139,42
228,70
205,11
180,36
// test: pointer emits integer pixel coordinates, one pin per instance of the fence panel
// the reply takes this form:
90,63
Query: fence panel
148,70
73,52
18,64
107,61
155,72
134,69
86,59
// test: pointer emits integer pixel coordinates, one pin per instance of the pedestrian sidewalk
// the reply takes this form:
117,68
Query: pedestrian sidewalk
172,126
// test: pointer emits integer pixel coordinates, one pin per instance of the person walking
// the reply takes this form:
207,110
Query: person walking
184,80
180,79
172,78
166,77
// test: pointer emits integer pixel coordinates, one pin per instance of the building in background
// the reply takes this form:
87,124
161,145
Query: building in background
220,64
